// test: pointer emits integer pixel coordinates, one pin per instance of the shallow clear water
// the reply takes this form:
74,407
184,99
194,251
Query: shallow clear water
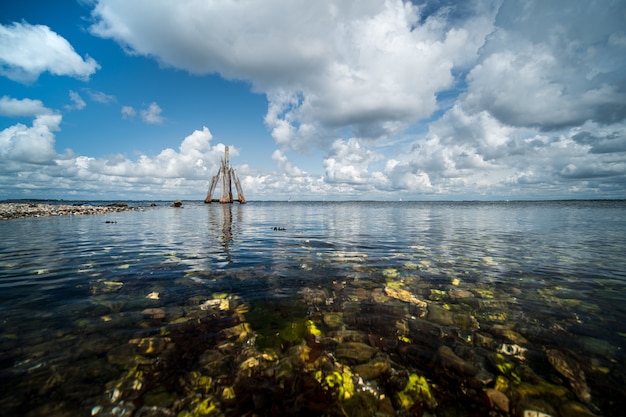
74,289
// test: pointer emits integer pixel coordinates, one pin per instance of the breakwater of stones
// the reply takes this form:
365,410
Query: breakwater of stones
20,210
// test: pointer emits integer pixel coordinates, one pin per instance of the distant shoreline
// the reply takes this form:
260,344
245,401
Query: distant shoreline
10,211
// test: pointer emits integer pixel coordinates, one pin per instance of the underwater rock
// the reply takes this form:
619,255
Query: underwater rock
451,361
535,407
574,409
570,369
415,391
456,293
497,399
373,369
404,295
355,352
314,296
332,319
508,333
154,313
150,346
513,350
440,315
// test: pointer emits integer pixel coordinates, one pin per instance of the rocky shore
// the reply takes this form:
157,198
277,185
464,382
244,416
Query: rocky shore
22,210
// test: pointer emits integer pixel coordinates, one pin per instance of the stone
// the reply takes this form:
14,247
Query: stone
497,399
355,352
451,361
373,369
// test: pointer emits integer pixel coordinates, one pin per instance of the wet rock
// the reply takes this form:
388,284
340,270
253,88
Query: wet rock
497,399
451,361
373,369
154,313
355,352
574,409
535,407
513,350
333,319
150,346
570,369
177,203
404,295
416,391
314,296
440,315
508,333
458,293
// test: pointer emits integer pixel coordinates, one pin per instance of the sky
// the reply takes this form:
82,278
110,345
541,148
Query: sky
317,100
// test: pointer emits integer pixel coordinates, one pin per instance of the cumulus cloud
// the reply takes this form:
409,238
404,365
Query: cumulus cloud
369,65
436,99
31,145
28,50
348,162
552,65
26,107
29,151
283,162
151,114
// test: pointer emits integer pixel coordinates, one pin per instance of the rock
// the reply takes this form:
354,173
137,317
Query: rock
150,346
177,203
451,361
534,407
154,313
574,409
459,293
355,352
440,315
332,319
570,369
404,295
372,369
497,399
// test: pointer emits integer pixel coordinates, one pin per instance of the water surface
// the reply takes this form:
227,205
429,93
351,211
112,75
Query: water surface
548,278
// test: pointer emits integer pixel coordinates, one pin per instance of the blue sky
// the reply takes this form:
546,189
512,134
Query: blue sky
424,100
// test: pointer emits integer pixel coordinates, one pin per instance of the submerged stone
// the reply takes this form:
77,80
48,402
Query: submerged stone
497,399
355,352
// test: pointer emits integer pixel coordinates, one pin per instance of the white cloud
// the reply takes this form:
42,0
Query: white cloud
151,114
99,96
348,162
28,50
286,165
128,112
31,145
13,107
369,65
551,65
77,101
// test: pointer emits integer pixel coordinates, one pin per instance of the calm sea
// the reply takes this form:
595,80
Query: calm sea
164,311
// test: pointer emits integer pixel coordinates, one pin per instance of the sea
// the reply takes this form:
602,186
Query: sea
316,308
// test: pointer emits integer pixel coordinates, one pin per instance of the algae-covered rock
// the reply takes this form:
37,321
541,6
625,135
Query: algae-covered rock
355,352
570,369
574,409
415,391
373,369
